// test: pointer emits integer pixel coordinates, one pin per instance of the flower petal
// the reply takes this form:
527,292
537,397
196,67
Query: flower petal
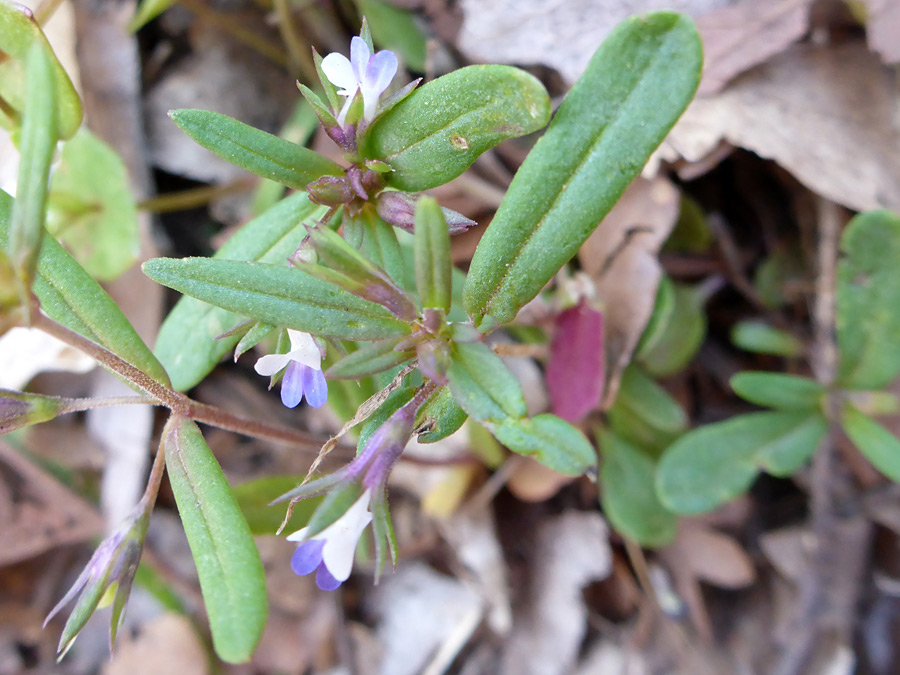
271,363
339,72
314,387
325,581
304,349
379,72
342,537
307,557
359,57
292,384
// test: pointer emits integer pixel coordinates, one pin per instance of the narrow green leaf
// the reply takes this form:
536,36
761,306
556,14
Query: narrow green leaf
868,298
231,574
715,463
432,254
550,440
395,29
669,345
760,337
39,136
70,296
18,33
91,209
395,400
775,390
644,413
636,86
281,296
369,359
187,343
377,240
436,133
483,385
147,11
439,416
628,494
255,150
878,444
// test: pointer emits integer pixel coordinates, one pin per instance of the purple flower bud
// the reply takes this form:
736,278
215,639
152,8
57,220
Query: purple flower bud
19,410
330,191
399,209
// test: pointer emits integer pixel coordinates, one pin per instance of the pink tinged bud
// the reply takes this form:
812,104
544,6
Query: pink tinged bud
576,369
19,410
399,208
330,191
434,357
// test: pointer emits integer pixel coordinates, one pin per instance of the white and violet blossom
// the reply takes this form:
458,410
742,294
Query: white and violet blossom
364,72
302,367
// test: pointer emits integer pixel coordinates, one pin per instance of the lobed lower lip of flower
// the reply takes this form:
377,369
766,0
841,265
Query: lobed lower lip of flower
303,371
364,72
330,553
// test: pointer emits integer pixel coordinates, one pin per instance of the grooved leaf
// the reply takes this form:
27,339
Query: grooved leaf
280,296
187,343
712,464
482,385
255,150
776,390
550,440
636,86
228,565
436,133
878,444
69,296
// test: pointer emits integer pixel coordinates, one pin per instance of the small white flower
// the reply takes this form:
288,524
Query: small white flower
303,376
330,552
364,72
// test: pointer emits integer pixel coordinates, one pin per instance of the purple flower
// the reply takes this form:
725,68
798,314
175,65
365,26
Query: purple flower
327,545
303,375
364,72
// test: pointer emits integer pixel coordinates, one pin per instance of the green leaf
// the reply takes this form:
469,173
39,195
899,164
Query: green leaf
775,390
439,416
628,494
715,463
254,498
377,241
671,341
431,244
644,413
39,136
147,11
878,444
187,343
483,385
760,337
868,298
432,136
550,440
636,86
255,150
395,400
91,210
396,29
231,574
70,296
281,296
369,359
18,32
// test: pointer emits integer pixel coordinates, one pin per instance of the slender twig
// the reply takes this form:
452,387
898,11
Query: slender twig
299,52
812,590
196,197
237,31
71,405
156,474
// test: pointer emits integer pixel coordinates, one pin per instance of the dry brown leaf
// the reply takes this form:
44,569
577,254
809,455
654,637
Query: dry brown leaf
531,481
738,37
883,28
560,34
37,512
826,114
621,257
572,551
168,645
714,557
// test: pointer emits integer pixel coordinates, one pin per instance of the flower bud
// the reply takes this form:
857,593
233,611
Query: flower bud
330,191
399,208
19,410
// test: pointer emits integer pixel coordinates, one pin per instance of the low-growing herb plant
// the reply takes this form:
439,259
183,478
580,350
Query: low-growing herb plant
352,278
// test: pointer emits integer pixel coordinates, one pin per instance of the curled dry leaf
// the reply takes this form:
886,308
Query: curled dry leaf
740,36
564,36
826,114
621,257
